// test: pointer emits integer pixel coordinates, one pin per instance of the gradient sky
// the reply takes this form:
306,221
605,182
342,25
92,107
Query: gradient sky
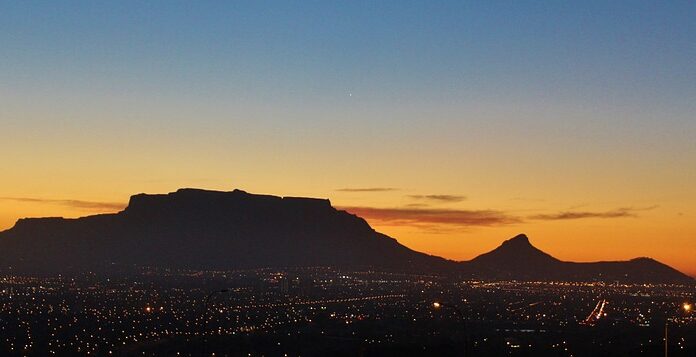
449,125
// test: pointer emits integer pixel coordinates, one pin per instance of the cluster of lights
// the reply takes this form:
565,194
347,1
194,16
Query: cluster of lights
93,318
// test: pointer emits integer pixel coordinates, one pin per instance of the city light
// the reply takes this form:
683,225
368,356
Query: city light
128,315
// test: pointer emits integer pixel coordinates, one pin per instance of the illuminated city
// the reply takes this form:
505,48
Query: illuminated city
319,311
347,178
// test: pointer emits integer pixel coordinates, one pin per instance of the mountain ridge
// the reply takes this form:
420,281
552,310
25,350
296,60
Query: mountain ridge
194,228
517,258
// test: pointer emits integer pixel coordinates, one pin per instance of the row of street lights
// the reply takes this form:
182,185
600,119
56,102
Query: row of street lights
687,307
437,305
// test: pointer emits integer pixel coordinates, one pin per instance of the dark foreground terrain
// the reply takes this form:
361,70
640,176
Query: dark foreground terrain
323,311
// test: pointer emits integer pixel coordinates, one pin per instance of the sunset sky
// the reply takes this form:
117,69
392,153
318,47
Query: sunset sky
449,125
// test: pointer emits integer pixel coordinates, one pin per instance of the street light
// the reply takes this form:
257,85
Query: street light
686,307
439,305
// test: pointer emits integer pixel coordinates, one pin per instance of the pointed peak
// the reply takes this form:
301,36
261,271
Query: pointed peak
520,239
520,236
516,250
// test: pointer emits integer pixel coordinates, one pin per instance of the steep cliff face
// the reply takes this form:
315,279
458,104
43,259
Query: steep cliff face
197,229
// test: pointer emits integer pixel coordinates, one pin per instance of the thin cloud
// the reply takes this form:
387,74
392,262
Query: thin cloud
439,198
85,205
420,205
419,217
617,213
368,189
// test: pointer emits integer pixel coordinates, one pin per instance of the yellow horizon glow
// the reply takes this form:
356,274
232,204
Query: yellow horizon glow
577,130
582,240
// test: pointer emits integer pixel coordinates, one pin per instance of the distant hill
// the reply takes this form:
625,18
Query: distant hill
200,229
518,259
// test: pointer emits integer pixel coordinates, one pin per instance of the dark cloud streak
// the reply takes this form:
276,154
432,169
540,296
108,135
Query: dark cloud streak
566,215
423,216
446,219
86,205
439,198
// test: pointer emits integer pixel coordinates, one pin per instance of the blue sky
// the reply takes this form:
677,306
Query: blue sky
556,104
385,51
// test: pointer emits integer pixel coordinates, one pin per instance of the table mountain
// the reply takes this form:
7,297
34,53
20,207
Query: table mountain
199,229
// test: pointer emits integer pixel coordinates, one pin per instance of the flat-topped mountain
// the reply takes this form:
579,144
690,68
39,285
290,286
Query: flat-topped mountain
193,228
201,229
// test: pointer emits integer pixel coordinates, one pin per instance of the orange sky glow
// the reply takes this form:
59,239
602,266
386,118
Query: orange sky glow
450,126
449,228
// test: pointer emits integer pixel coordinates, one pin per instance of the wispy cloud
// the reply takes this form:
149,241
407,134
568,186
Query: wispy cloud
439,198
368,189
445,220
79,204
420,217
412,205
617,213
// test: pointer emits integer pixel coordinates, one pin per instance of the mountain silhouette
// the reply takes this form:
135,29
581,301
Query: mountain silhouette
200,229
515,258
516,253
518,259
193,228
